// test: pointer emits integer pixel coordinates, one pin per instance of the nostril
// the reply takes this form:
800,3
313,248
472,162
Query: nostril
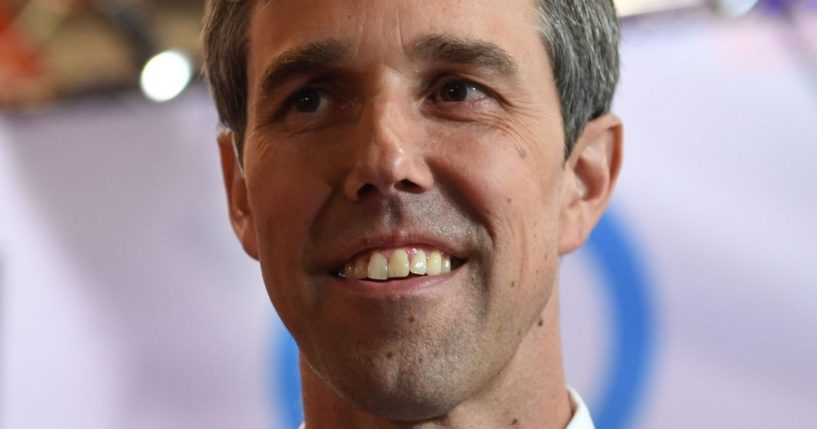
367,188
408,185
404,185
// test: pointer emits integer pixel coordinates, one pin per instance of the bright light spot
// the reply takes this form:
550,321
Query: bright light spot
736,8
166,75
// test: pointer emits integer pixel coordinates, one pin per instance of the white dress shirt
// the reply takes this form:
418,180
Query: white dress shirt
581,416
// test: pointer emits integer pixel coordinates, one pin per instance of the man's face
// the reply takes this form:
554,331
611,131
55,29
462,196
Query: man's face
404,124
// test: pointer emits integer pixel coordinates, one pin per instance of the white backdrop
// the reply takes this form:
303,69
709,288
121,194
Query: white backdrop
126,302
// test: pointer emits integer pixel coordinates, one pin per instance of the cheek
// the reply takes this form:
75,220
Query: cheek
285,196
509,178
512,182
288,185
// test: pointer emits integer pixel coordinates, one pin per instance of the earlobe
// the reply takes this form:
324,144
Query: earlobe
237,202
591,172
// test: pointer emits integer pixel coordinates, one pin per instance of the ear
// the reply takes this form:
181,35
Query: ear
240,213
590,176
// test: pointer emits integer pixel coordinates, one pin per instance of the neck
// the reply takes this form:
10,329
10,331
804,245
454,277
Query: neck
528,392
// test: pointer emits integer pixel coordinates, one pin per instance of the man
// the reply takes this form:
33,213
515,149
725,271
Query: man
409,173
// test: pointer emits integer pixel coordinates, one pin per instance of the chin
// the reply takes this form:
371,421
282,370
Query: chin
418,384
421,399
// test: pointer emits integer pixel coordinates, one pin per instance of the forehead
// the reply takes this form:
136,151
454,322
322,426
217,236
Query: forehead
383,30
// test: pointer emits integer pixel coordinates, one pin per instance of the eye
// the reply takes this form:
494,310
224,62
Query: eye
309,100
459,91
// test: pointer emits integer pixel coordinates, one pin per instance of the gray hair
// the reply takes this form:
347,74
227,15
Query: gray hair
582,38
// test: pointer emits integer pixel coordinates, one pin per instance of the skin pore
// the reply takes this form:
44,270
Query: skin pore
380,124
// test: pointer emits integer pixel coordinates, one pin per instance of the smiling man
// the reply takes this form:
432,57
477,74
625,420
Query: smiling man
409,173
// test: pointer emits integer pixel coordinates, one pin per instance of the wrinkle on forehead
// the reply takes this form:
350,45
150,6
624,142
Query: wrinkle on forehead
393,23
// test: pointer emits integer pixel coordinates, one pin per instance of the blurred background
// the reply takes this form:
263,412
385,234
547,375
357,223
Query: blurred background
126,302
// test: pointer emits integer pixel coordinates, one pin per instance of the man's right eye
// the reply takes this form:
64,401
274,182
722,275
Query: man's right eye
309,100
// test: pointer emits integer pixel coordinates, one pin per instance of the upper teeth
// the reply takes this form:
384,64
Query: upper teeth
401,263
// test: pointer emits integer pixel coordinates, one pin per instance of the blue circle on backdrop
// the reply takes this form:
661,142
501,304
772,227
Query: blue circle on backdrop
627,293
623,385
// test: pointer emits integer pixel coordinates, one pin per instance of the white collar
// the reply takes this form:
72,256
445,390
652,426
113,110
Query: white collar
581,415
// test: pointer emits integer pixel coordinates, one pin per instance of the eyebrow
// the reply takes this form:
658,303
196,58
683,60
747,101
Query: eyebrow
324,54
452,50
301,60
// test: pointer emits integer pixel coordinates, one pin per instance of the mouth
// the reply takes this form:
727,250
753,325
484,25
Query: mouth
386,265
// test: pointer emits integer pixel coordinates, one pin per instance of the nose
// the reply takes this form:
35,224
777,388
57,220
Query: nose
389,154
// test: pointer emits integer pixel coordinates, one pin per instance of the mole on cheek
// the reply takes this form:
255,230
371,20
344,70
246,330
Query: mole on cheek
514,422
541,322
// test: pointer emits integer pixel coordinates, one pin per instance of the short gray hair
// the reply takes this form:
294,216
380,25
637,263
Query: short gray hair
582,37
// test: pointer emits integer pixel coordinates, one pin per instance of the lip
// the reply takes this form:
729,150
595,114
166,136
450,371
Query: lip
396,239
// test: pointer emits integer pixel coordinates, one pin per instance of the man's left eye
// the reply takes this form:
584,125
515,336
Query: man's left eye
459,91
309,100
